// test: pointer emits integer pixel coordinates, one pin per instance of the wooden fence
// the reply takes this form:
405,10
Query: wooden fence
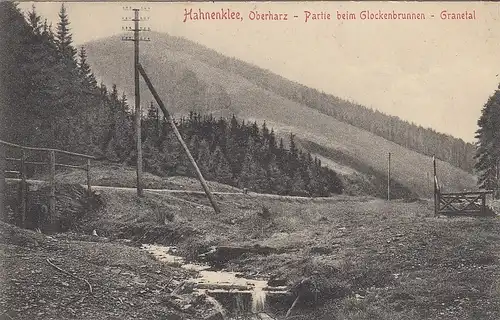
459,203
21,172
462,203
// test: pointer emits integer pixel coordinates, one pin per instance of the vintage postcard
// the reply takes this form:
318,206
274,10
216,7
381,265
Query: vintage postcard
249,160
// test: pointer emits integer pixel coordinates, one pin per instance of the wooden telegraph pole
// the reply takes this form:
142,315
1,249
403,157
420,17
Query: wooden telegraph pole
496,192
170,119
389,177
436,199
138,112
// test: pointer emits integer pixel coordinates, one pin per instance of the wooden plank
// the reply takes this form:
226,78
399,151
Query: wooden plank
52,195
57,164
23,191
36,163
3,164
463,213
71,166
89,185
483,203
466,193
47,150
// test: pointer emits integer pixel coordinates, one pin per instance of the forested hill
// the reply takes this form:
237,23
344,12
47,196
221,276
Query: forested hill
52,99
189,77
423,140
409,135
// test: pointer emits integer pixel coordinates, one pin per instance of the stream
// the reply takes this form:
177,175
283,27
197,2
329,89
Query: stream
237,294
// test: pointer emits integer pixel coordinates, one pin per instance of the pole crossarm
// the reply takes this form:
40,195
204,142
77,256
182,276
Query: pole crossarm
170,119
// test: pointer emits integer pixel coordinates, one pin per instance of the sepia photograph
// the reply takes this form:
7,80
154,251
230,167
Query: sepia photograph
330,160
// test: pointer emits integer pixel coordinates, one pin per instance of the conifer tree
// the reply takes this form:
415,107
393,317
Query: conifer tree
85,71
64,38
220,168
298,186
488,144
34,21
203,159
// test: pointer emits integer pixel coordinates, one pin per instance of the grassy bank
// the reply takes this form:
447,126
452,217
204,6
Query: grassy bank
365,258
356,257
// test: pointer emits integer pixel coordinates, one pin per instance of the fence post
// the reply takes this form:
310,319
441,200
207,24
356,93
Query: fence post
24,188
52,195
389,178
3,190
89,186
483,203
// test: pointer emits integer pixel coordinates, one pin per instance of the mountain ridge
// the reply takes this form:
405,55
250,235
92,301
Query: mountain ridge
179,74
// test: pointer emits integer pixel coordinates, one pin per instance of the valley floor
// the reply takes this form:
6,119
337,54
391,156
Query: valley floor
361,258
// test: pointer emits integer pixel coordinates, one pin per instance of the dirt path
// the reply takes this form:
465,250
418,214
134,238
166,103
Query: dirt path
196,192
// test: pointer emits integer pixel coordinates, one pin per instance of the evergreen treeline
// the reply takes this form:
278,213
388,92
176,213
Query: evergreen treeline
52,99
423,140
488,144
236,154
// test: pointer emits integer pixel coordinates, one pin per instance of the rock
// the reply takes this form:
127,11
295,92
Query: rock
275,281
187,288
320,250
215,316
224,254
171,316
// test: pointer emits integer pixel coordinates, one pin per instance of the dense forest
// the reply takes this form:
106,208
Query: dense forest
488,151
423,140
53,99
237,154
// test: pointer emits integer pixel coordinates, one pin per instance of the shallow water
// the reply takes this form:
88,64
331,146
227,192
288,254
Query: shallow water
218,282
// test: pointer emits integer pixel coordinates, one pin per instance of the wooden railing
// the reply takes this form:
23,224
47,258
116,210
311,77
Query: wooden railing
462,203
459,203
52,164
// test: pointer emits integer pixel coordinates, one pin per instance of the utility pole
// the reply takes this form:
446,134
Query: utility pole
496,192
436,197
389,178
170,119
138,112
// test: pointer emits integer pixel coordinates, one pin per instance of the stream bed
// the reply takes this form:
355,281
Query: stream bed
235,293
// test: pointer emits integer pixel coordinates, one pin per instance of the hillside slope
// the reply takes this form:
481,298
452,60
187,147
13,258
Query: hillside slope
369,258
360,257
111,61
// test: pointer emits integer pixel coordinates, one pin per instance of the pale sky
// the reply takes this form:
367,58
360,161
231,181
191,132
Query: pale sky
436,73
